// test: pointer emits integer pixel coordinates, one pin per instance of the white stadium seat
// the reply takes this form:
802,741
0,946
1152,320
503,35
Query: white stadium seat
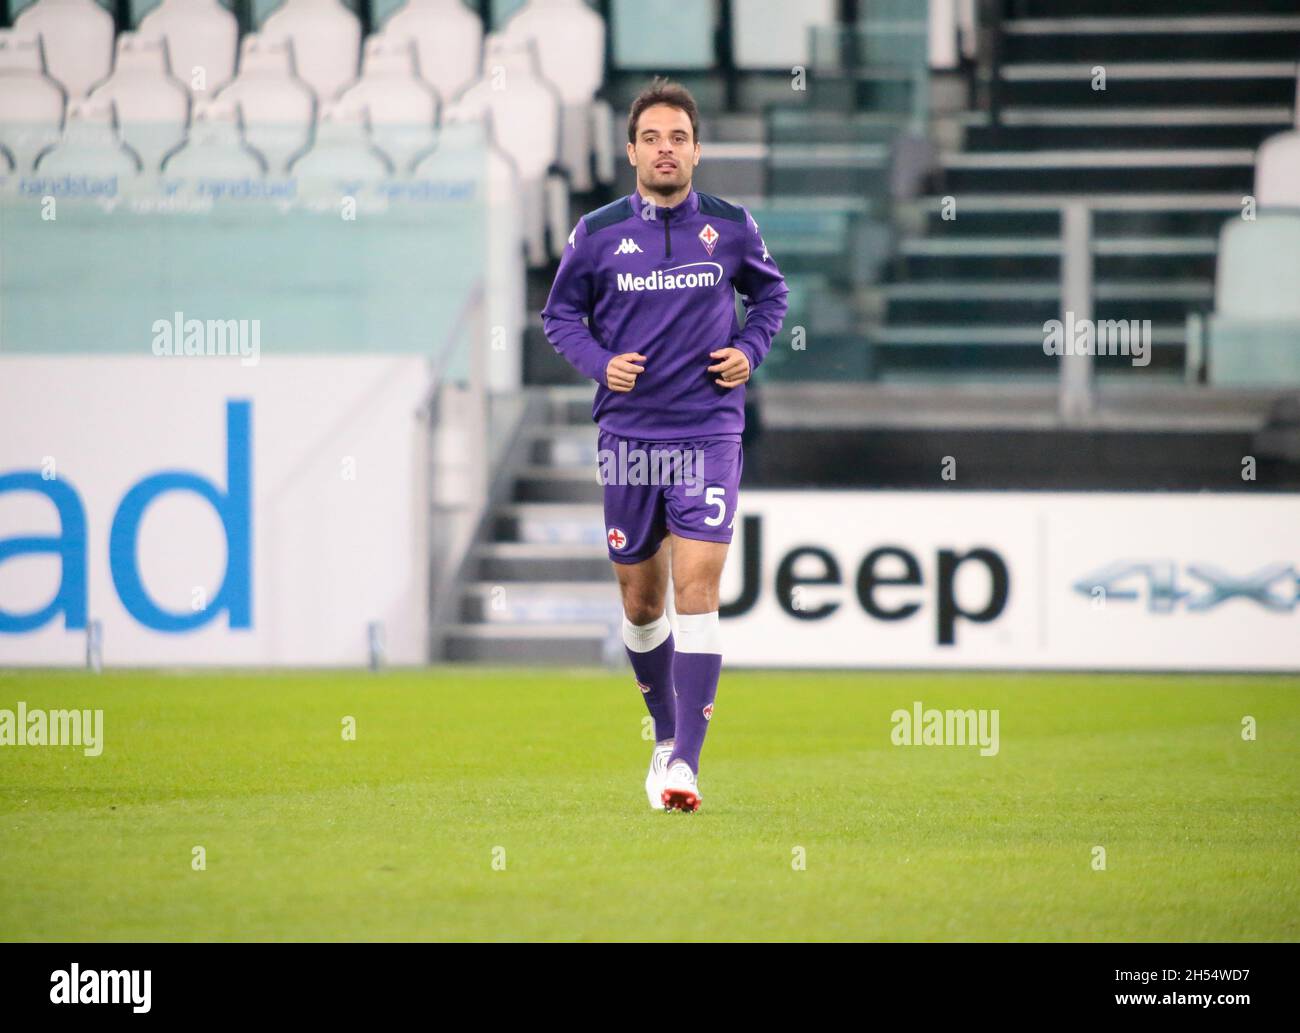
78,36
403,108
525,120
202,40
215,146
278,107
448,40
1254,333
1277,171
570,40
152,107
326,42
341,149
31,103
774,33
91,145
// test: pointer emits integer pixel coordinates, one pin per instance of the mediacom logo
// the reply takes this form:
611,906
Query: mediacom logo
673,279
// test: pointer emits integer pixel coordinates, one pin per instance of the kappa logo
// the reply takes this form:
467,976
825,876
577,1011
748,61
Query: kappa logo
628,246
616,538
708,711
709,237
645,689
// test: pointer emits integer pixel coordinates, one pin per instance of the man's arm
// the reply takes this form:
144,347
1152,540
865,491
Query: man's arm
571,298
764,293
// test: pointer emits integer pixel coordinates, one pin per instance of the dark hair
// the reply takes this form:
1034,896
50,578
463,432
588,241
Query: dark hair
664,91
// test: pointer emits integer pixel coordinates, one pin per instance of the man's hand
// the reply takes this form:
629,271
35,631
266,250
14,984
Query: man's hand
621,371
733,370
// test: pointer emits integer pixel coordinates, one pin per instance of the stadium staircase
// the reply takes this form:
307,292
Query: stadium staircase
538,586
1165,154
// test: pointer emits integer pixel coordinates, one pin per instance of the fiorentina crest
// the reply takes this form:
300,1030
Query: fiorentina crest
709,237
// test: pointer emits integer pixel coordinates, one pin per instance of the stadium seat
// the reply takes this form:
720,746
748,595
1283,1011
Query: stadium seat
1277,171
1254,334
655,34
278,108
403,108
341,149
215,146
326,42
570,40
138,10
78,36
91,145
152,107
525,121
448,41
201,35
31,103
773,34
261,10
16,7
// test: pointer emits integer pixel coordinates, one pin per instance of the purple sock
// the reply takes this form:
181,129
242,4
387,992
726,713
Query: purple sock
650,648
695,674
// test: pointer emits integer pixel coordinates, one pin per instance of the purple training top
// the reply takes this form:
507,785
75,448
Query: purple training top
659,281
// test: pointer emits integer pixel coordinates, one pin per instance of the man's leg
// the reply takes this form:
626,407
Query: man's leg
697,572
648,636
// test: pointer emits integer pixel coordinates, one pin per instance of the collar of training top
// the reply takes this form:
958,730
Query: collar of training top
689,205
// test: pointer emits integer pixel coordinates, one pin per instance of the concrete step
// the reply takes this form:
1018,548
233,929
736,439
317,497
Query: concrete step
542,561
580,643
541,602
549,523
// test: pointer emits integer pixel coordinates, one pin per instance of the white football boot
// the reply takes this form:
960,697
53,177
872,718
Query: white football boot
654,779
680,791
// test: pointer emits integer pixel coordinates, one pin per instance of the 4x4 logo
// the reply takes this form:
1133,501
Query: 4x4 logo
1275,587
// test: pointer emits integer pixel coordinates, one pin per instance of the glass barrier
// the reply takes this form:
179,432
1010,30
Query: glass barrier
336,255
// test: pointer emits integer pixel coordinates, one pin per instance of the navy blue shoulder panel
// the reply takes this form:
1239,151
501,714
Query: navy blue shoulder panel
711,205
615,211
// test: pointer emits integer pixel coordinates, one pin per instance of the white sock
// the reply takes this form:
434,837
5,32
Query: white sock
698,633
641,638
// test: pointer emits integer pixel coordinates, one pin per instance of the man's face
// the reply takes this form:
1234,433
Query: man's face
665,153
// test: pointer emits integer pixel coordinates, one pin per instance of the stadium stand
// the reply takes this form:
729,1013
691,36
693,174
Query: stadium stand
927,175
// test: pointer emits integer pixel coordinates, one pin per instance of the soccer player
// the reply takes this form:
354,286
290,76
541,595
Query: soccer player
652,274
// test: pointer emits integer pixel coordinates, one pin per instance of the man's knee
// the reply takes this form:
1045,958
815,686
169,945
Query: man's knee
642,606
695,595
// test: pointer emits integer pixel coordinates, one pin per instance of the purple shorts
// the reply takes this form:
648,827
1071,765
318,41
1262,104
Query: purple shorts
653,487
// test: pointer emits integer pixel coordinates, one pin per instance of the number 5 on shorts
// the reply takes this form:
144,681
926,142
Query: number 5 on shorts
716,496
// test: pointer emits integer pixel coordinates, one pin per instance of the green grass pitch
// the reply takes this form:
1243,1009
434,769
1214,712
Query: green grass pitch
508,804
